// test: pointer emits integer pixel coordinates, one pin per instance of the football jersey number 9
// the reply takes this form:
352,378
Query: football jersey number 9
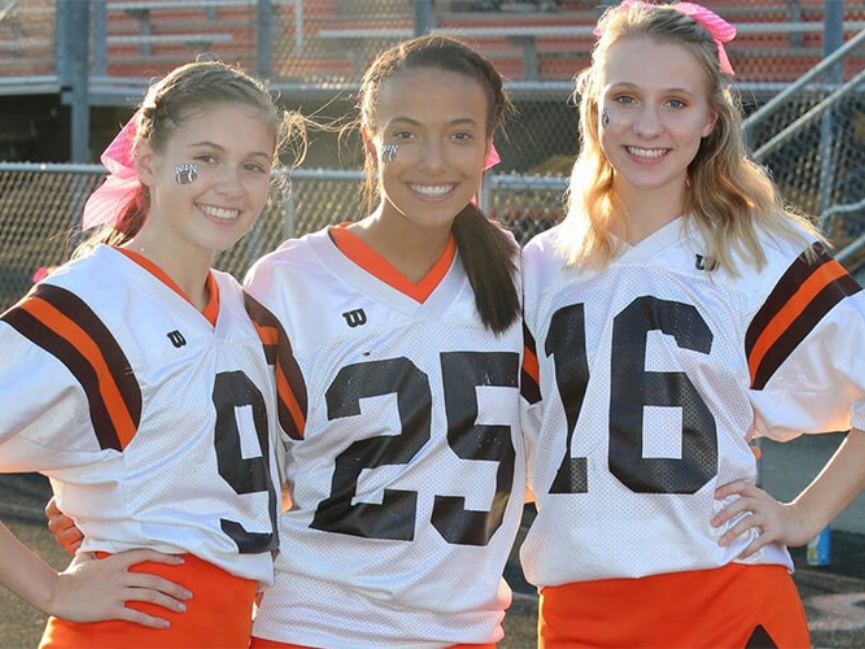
462,373
630,391
233,390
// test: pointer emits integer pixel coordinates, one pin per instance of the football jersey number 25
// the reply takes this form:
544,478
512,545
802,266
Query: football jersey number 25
462,373
632,388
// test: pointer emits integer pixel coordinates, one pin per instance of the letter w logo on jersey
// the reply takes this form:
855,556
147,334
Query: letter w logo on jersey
176,338
355,318
706,263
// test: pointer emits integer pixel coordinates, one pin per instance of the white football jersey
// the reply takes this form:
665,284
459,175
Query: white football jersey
403,454
654,375
153,425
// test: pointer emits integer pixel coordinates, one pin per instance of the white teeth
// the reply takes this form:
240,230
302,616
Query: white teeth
219,212
432,191
646,153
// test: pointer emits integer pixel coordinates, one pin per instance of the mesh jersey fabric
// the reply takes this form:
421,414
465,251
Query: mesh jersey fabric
653,376
406,467
154,426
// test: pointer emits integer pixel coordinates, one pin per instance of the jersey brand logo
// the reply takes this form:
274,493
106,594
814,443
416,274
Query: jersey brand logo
176,338
705,263
355,318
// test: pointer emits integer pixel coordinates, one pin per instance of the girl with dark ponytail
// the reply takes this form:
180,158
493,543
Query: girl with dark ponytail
398,342
488,253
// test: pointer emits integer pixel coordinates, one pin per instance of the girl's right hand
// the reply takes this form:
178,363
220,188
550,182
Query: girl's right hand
63,528
92,590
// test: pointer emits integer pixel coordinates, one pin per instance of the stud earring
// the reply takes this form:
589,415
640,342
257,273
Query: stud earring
186,173
388,153
606,114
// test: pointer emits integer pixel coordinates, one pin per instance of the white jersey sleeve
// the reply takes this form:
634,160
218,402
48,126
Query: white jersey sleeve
403,455
804,378
153,424
653,376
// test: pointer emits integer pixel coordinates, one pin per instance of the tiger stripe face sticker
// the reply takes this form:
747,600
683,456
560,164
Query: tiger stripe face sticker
606,115
185,174
388,153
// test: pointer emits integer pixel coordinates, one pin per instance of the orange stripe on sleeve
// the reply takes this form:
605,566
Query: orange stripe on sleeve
115,405
816,282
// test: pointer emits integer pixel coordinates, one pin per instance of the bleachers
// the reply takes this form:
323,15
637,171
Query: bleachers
333,40
27,40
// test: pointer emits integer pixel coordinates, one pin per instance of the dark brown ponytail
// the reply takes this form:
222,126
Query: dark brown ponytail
489,255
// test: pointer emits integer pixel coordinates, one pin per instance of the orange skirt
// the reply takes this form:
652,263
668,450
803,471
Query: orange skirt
218,615
735,606
261,643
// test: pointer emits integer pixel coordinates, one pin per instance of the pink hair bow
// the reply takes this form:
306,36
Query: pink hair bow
42,272
493,158
106,205
721,31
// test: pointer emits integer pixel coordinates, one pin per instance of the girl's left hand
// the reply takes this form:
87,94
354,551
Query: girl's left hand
776,521
67,535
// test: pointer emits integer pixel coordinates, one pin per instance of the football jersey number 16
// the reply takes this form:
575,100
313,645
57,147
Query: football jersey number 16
630,391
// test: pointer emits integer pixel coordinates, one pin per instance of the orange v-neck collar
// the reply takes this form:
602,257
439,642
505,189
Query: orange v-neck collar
211,309
359,252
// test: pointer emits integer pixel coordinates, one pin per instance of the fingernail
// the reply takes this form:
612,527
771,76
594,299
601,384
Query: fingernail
181,606
164,624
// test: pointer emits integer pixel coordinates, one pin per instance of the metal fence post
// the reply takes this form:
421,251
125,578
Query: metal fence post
485,199
833,38
73,45
100,37
424,18
264,50
298,26
288,212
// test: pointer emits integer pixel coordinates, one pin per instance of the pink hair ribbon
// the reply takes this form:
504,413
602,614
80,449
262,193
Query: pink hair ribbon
721,31
493,158
106,205
42,272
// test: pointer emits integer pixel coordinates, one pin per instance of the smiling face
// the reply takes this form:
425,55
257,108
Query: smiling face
656,96
232,145
438,121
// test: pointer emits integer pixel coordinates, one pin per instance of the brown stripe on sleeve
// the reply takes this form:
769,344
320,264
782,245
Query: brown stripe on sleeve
290,386
800,299
785,288
61,323
530,371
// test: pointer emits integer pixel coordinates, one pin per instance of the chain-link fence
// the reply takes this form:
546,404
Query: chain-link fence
40,212
812,137
313,51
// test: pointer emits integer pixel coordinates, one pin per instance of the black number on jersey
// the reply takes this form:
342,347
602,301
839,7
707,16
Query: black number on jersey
462,373
631,389
231,391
